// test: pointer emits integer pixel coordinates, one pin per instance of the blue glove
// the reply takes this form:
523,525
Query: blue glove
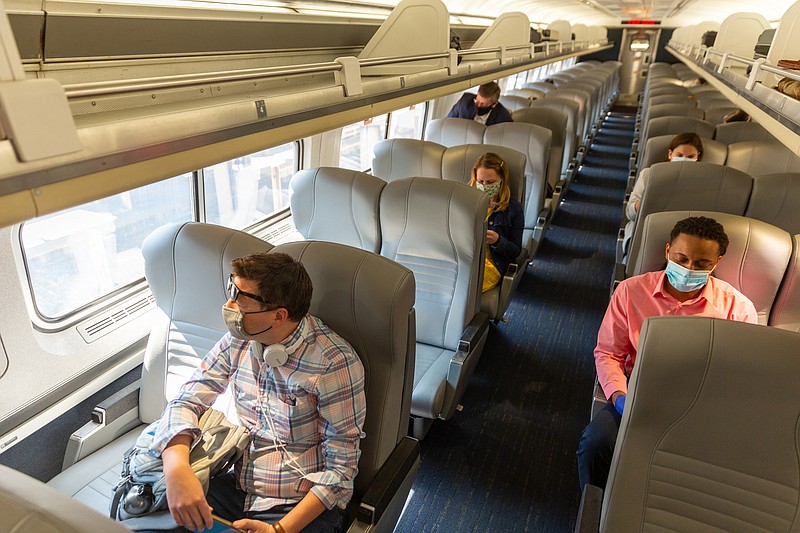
619,403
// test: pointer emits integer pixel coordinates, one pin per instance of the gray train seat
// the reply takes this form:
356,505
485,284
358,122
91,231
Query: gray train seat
355,196
396,159
669,110
716,115
380,328
533,141
457,165
584,100
762,157
671,98
571,141
673,125
542,86
655,151
30,506
453,131
776,200
437,229
512,102
757,258
187,267
555,121
527,92
691,185
679,463
369,301
786,309
741,131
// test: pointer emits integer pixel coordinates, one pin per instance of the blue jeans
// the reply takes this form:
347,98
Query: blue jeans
228,502
597,447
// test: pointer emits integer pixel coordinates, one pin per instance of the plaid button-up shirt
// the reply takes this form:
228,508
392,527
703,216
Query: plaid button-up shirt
314,403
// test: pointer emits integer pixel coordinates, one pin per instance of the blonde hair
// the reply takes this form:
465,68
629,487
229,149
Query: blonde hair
492,161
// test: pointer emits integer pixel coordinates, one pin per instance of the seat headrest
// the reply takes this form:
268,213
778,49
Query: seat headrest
454,131
337,205
406,158
458,161
762,157
755,263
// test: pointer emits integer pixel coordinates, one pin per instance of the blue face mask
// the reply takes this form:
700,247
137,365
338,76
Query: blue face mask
684,280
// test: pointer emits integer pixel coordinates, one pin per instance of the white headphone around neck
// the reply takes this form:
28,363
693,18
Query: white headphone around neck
277,354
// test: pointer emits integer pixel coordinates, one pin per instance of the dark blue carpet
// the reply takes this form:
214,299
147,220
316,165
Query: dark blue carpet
507,461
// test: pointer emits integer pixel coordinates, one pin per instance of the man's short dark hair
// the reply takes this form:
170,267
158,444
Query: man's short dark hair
703,227
282,281
490,90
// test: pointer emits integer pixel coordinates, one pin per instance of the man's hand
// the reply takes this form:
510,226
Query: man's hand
619,403
253,526
491,236
187,502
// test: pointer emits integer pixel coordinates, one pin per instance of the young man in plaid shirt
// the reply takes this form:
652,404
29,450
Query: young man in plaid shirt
297,386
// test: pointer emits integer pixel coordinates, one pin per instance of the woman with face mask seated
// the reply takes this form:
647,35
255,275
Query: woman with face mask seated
505,217
683,147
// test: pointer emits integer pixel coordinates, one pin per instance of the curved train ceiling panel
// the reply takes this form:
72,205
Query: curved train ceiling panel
589,12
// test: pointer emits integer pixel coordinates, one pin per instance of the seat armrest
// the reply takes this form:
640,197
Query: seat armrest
117,404
111,418
620,244
589,510
388,481
619,275
471,336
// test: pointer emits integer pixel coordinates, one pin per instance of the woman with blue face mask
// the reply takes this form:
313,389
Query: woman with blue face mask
683,147
505,217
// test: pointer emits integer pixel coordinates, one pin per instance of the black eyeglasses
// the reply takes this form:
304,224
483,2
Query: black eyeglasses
234,292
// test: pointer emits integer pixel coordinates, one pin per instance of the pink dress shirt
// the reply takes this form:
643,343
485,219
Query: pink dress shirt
644,296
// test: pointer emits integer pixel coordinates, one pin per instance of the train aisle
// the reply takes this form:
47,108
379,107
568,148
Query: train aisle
507,461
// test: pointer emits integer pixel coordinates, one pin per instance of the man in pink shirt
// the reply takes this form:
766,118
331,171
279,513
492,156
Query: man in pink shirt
684,288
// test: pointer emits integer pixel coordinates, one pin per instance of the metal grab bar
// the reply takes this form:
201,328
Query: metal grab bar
182,80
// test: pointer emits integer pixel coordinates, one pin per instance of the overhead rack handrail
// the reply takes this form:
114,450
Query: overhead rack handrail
106,88
704,53
776,111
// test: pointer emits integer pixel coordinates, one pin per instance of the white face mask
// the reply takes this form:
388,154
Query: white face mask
234,320
677,158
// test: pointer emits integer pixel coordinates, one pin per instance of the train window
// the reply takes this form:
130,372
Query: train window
247,189
407,123
78,255
355,150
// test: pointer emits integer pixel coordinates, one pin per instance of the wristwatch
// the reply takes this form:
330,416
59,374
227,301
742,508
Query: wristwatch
278,527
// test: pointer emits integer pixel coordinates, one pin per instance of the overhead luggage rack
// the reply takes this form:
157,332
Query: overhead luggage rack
152,126
777,112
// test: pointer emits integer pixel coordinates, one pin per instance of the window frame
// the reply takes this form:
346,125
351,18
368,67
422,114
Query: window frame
138,287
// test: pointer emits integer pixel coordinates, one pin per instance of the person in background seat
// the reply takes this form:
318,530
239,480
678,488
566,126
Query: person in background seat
683,147
685,288
506,218
298,387
484,107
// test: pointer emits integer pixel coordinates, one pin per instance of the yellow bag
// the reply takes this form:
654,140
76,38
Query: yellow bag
491,276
